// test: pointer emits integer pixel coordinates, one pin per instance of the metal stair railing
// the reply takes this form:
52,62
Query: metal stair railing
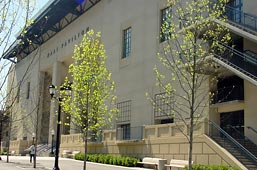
214,129
243,140
245,61
251,128
242,136
245,19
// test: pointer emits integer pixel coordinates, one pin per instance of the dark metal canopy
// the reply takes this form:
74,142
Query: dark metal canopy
53,19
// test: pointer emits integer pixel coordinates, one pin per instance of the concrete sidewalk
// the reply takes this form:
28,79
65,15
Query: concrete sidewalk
46,163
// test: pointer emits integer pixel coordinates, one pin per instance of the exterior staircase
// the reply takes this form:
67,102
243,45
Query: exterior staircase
242,149
249,145
244,159
243,64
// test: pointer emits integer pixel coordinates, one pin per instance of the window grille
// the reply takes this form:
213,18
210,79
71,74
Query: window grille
163,105
124,108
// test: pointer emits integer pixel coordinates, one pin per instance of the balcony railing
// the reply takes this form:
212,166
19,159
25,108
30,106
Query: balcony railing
78,138
93,137
131,133
242,18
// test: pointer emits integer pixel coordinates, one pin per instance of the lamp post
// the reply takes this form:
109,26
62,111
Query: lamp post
57,143
52,146
33,138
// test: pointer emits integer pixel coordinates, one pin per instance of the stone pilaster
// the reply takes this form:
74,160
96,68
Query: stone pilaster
59,72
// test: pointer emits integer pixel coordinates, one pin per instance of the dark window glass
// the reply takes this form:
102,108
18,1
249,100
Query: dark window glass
165,24
125,131
126,51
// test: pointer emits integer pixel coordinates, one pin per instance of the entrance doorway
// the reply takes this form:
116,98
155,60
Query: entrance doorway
233,123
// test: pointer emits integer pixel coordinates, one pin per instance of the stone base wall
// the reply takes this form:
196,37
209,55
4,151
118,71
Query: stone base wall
17,147
162,141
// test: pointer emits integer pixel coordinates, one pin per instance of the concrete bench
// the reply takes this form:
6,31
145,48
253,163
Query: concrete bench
13,153
66,153
157,163
177,163
72,155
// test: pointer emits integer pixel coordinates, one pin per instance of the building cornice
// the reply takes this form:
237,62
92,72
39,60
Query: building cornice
54,18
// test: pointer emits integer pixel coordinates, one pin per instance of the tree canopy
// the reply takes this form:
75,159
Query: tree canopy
91,105
190,35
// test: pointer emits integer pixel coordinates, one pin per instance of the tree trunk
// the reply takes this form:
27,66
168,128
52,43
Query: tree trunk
192,109
191,130
86,131
85,149
1,131
8,141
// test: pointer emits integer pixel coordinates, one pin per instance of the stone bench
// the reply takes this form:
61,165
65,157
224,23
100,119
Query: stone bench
66,153
12,153
177,163
72,155
157,163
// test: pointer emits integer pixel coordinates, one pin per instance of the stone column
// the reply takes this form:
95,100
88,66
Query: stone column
58,75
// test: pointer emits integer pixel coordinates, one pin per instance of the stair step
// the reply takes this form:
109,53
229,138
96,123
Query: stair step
244,159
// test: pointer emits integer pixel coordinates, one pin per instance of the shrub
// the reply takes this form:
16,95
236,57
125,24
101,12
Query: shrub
79,156
2,153
114,161
108,159
211,167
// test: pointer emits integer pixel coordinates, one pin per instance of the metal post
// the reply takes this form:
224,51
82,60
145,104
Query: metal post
57,143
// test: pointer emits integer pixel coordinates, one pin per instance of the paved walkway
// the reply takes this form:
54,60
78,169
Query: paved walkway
46,163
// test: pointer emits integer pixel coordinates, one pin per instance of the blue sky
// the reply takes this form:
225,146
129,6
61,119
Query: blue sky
38,5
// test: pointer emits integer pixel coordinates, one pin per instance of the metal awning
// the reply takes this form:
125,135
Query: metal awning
52,20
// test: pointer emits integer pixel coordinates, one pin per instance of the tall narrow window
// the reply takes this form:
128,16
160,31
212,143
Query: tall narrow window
165,24
28,90
126,49
125,131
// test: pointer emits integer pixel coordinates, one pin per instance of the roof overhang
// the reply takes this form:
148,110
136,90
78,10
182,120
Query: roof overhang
56,16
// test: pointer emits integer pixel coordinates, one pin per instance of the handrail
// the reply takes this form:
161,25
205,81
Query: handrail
249,127
246,56
251,53
247,63
238,16
232,140
238,132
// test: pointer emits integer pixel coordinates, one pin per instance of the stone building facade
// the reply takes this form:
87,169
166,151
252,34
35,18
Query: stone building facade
137,22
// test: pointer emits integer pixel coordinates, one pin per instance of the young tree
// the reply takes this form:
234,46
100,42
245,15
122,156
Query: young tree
3,123
91,105
14,17
191,35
